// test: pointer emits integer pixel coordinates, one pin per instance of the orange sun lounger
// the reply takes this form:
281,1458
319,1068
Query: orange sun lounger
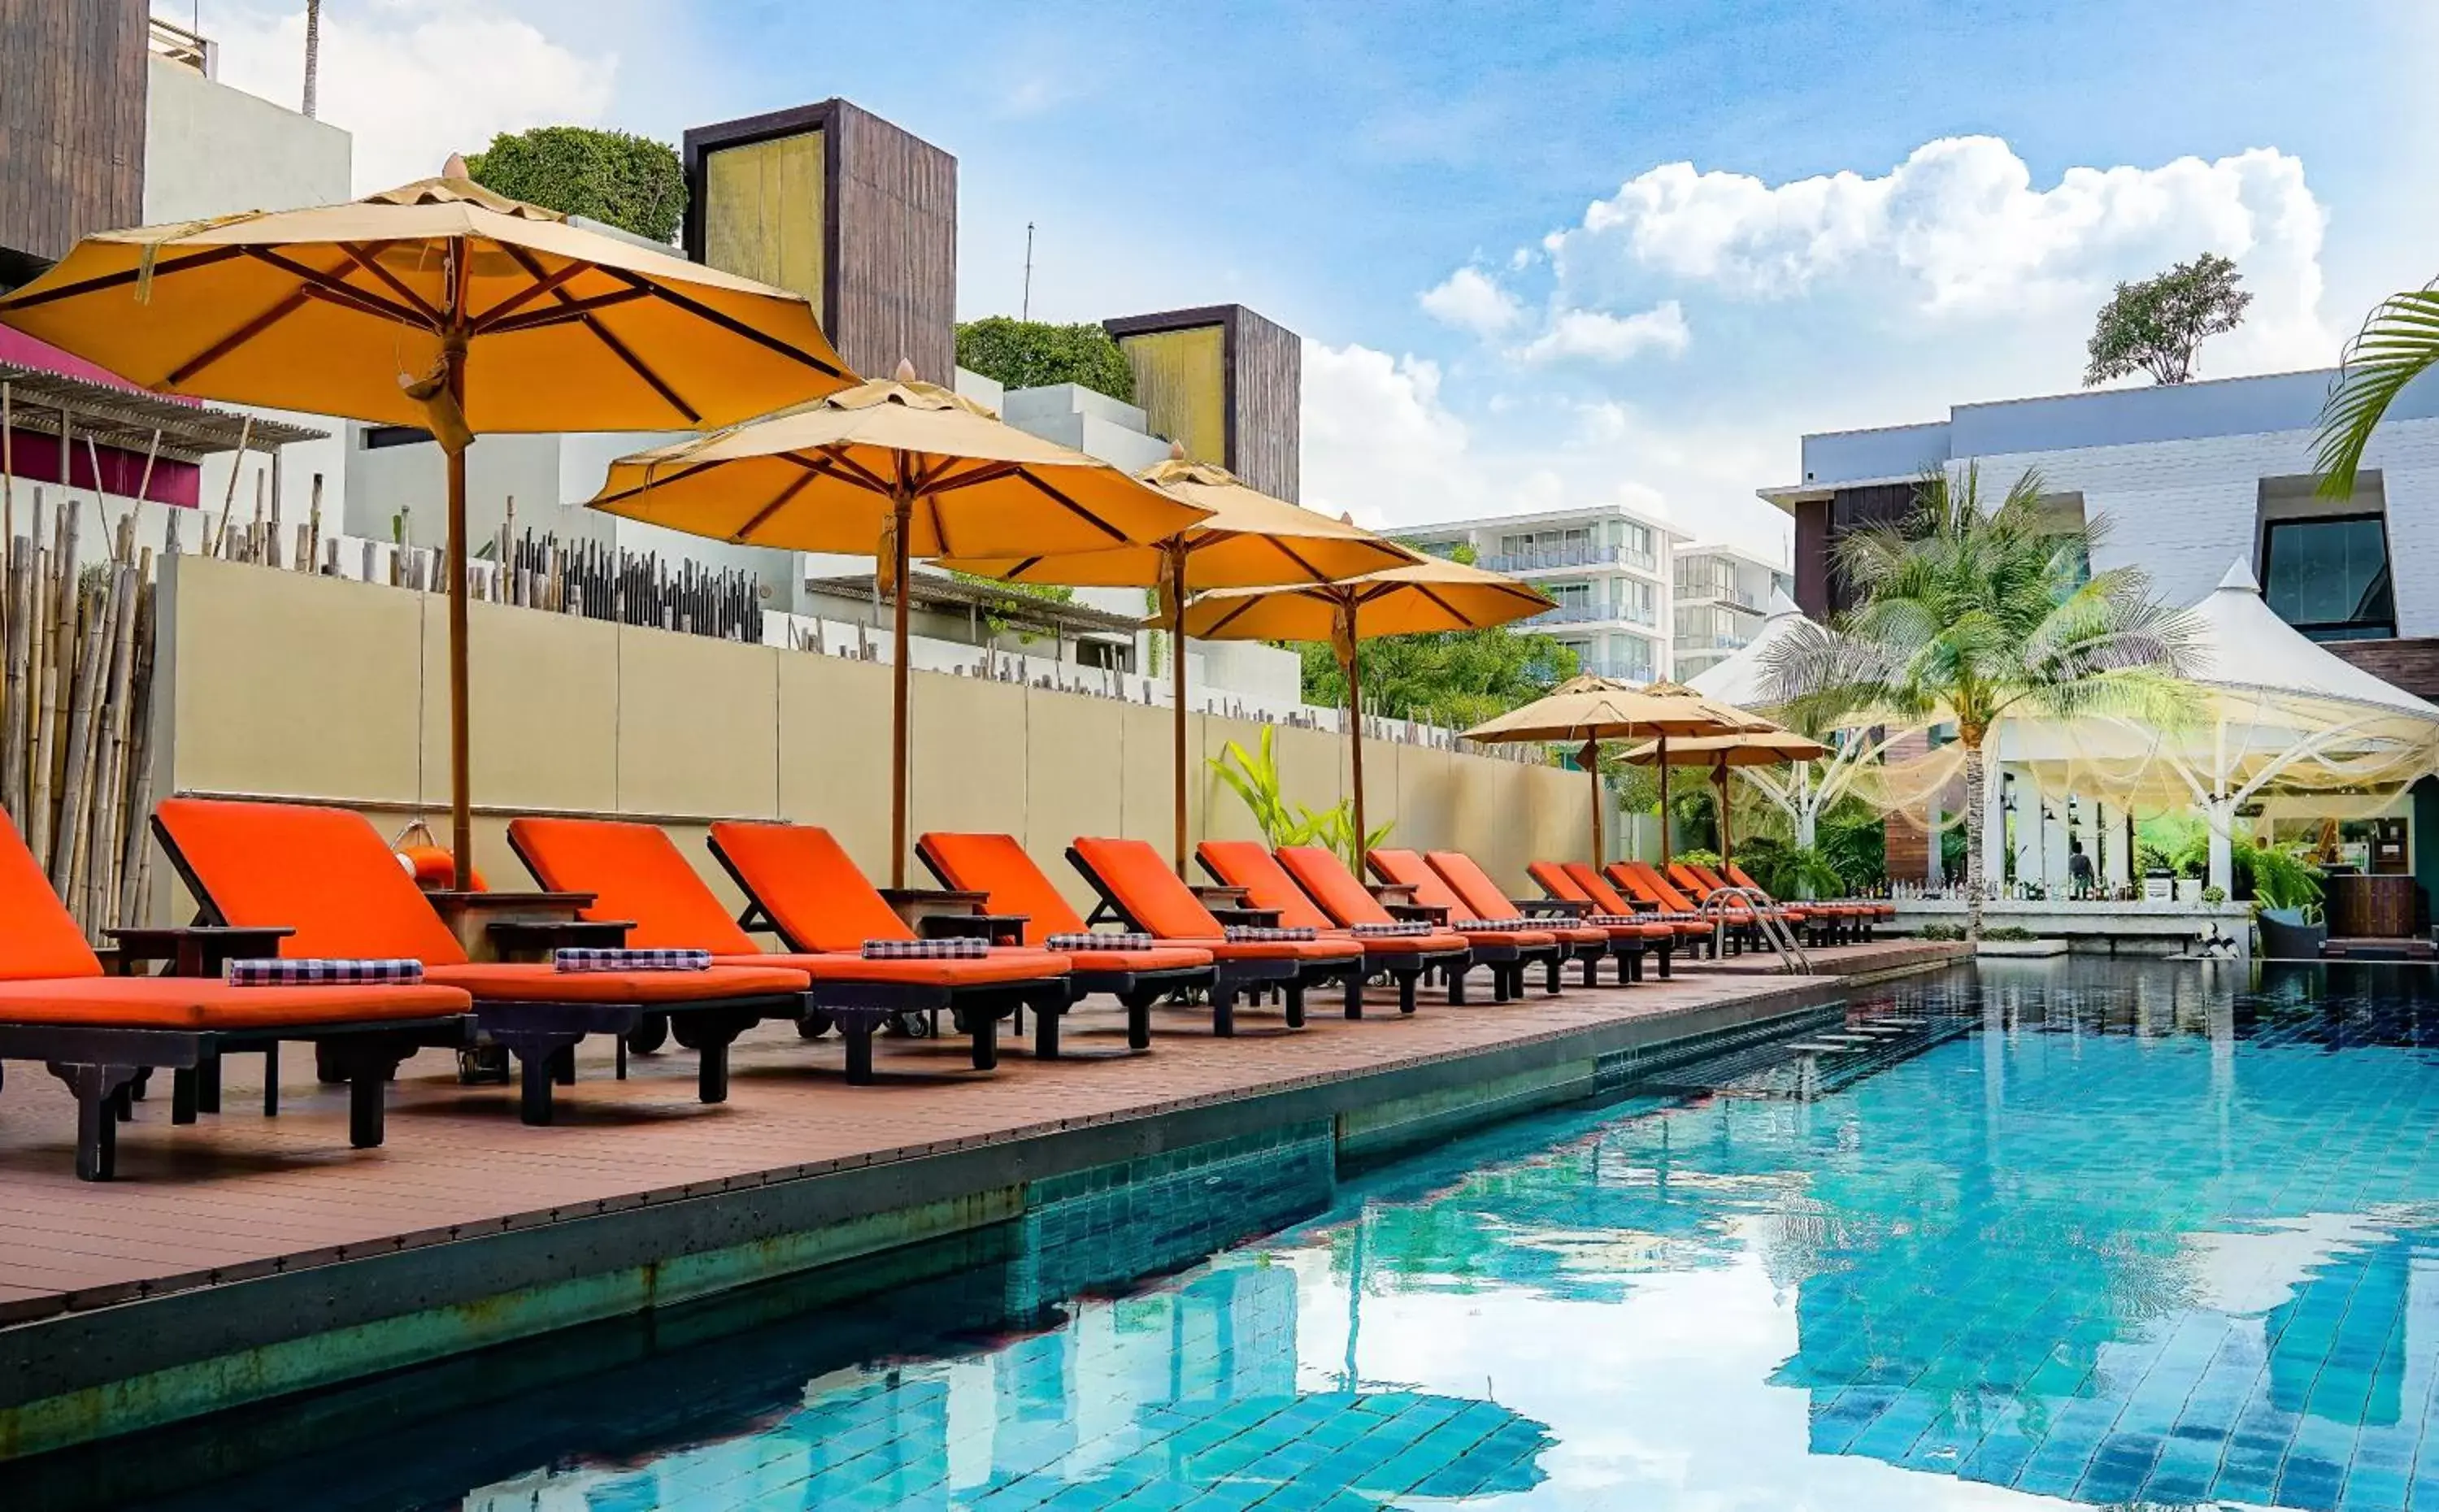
1578,880
327,875
1403,958
1628,942
636,872
99,1034
1551,940
1326,880
1853,916
1013,887
1736,923
1138,888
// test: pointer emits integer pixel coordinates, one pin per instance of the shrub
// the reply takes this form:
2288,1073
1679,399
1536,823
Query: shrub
2009,932
2214,894
631,181
1697,857
1030,353
1943,932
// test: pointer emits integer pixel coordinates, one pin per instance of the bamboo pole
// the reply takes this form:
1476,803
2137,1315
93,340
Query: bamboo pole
134,853
151,455
12,730
76,774
314,529
109,779
237,464
59,608
9,504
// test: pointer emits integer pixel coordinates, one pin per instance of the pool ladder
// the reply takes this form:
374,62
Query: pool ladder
1792,958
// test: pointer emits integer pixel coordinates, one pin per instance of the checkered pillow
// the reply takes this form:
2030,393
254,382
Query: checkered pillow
953,947
277,972
1478,925
1089,941
607,958
1381,932
1248,934
1616,919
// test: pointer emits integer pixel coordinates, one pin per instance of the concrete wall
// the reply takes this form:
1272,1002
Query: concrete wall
283,684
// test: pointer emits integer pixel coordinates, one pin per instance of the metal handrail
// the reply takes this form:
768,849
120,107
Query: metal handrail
1774,929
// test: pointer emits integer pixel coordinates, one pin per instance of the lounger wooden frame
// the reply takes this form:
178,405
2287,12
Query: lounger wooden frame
1230,978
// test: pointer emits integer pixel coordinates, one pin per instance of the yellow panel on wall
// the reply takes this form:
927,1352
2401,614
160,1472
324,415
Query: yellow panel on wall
1182,385
762,212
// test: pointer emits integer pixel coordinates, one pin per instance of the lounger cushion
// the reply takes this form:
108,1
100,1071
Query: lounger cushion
997,866
204,1003
1432,890
539,982
636,872
1159,958
39,938
1606,897
995,969
1316,952
1148,890
327,873
1245,864
811,888
1327,882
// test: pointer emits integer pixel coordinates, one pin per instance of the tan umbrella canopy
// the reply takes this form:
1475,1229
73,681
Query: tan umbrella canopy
1591,709
1749,748
896,469
1249,540
441,305
1426,596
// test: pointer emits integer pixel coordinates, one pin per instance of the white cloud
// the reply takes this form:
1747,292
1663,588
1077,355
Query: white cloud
1959,231
1471,299
416,80
1597,336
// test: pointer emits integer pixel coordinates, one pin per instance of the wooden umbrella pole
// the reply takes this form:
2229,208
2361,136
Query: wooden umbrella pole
903,515
1727,843
1589,757
1177,684
461,764
1664,801
1355,736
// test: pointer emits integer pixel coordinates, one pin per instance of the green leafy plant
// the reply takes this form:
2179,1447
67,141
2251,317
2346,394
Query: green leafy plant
2213,894
2009,932
1009,590
1031,353
1977,615
2279,879
2157,324
631,181
2398,343
1943,932
1255,778
1790,871
1699,856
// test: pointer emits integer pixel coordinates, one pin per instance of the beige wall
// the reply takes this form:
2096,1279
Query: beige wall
281,685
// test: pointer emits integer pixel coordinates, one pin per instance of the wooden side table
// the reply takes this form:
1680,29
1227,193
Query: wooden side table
471,916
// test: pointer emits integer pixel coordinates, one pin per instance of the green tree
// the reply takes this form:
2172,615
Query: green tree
1455,677
631,181
2156,325
1978,614
1030,353
2396,344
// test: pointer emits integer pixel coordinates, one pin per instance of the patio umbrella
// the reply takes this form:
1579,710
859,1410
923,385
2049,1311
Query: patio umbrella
898,469
1592,709
439,304
1426,597
1249,539
1748,748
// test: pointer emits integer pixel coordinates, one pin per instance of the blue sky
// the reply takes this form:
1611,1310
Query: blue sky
1888,208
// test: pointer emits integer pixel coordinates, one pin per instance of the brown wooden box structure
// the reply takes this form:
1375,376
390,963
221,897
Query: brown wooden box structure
1225,384
71,126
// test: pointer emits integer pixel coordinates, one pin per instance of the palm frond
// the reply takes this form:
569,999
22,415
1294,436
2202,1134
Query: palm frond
2397,345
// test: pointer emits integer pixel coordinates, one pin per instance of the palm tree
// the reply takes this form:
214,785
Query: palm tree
312,54
2395,346
1975,616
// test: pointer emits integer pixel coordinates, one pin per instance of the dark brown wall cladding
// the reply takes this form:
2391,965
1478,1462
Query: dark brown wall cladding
2412,665
888,231
894,279
72,88
1812,558
1267,404
1853,509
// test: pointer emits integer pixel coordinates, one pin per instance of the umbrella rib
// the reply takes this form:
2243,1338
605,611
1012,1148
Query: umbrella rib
943,482
542,285
1297,557
602,334
1227,619
338,290
288,306
539,319
398,286
798,485
1088,516
835,461
1454,613
939,525
727,322
118,281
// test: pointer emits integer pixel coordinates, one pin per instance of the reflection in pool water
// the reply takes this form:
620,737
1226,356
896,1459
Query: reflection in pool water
2142,1238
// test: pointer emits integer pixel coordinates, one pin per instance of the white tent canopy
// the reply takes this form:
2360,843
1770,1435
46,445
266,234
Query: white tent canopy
2280,712
1805,789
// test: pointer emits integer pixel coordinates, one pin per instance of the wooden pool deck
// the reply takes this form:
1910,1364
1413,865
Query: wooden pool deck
240,1215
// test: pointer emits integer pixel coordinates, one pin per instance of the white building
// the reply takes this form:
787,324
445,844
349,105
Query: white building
1721,595
1608,568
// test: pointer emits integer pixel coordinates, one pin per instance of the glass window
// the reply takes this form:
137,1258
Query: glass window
1571,596
2330,579
1638,602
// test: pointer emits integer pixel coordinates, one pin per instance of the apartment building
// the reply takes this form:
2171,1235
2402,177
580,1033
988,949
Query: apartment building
1607,567
1721,597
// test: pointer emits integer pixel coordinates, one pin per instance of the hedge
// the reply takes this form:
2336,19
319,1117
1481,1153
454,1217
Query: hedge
1030,353
631,181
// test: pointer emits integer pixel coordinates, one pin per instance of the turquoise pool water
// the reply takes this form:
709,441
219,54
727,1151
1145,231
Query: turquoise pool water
2158,1235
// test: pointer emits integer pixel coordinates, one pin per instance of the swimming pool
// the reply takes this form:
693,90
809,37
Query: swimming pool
2150,1234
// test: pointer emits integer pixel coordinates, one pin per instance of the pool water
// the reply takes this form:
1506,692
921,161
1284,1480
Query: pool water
2158,1234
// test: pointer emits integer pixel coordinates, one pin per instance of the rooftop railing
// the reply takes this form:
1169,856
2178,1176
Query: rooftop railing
175,44
1557,557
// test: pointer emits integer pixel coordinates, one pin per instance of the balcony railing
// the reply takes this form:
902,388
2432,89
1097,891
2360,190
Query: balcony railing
1557,557
1573,614
1713,643
188,49
1618,668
